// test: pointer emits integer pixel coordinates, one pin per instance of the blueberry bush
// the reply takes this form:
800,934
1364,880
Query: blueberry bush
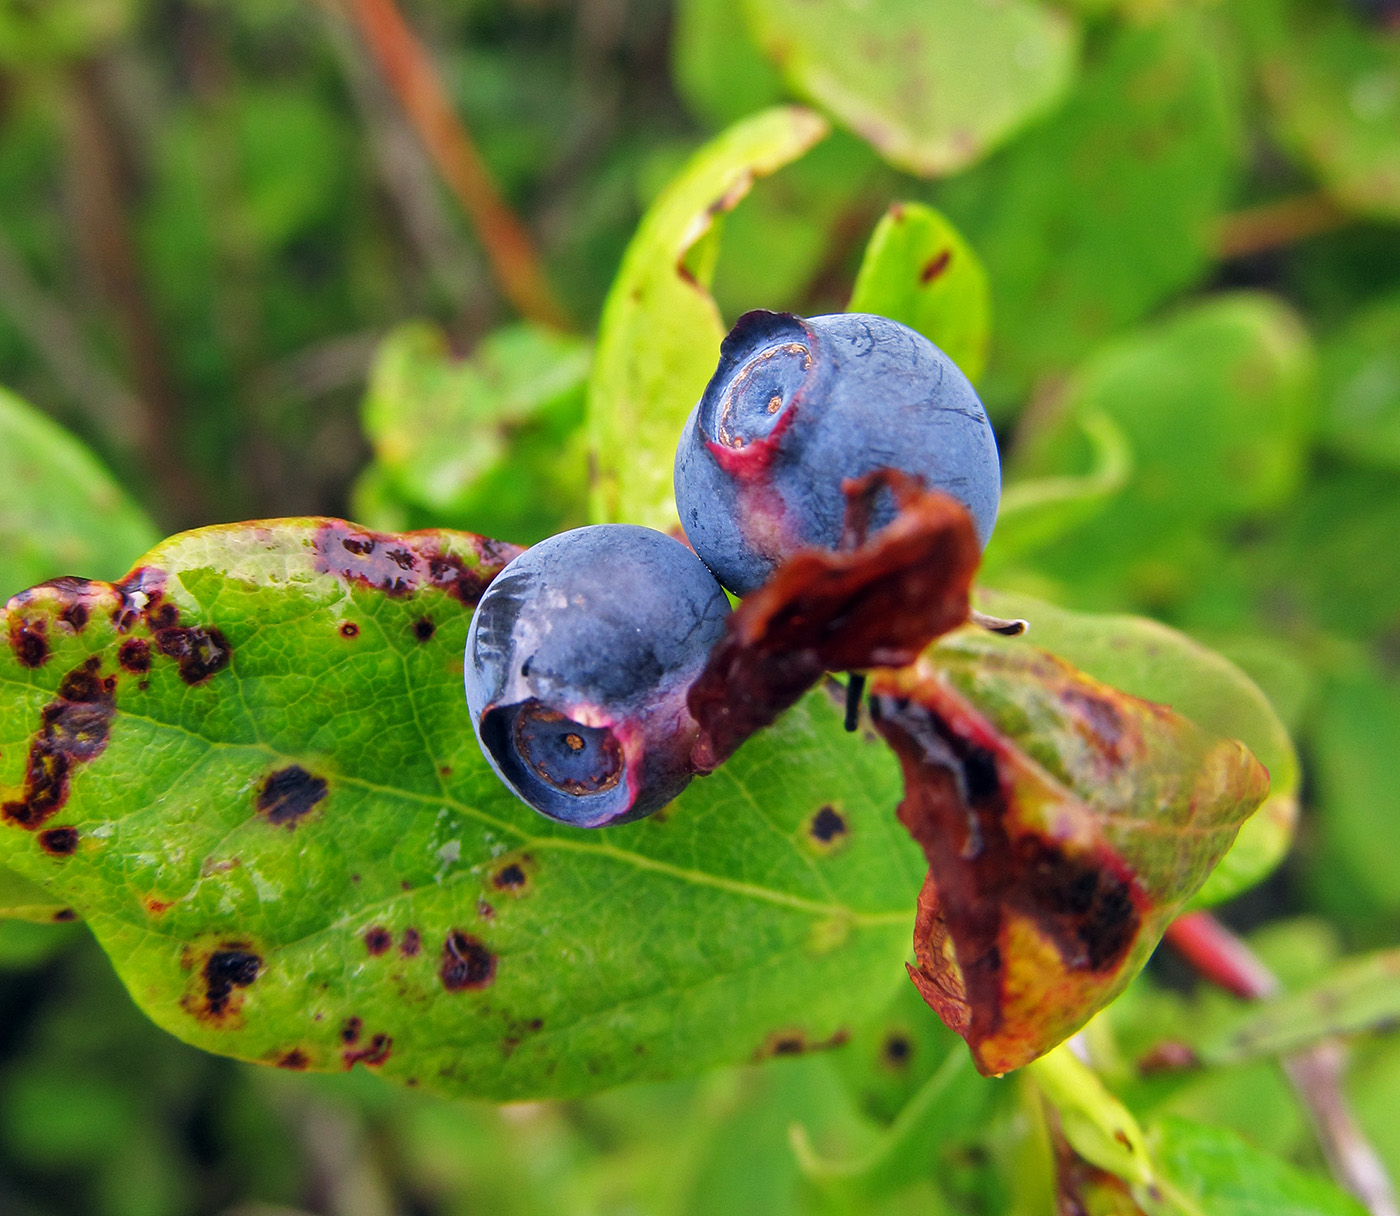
851,892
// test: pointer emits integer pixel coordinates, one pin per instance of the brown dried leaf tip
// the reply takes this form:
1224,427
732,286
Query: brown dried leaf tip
876,602
1065,825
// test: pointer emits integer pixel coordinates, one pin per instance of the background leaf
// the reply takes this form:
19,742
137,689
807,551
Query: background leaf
719,71
1235,374
1333,87
60,510
496,439
1227,1176
1095,216
931,84
1359,994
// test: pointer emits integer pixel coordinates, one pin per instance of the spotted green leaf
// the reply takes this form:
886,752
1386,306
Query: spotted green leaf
1150,660
931,84
658,342
918,269
60,510
250,769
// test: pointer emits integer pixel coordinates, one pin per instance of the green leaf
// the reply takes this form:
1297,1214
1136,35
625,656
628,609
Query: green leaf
1215,1171
1356,740
21,899
1152,661
931,84
58,29
1037,510
1333,86
60,511
1358,995
495,439
1098,1126
1216,407
1100,213
943,1106
918,269
658,342
1359,374
286,837
719,72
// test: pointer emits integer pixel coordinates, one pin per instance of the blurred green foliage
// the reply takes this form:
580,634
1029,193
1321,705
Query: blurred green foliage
228,266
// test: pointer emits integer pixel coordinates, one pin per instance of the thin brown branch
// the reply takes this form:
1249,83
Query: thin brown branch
103,236
411,74
1271,225
407,175
1317,1073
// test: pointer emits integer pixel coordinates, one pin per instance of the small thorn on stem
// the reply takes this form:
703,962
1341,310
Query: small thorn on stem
855,690
1008,628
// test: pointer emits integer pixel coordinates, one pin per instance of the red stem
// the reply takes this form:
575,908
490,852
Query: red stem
410,73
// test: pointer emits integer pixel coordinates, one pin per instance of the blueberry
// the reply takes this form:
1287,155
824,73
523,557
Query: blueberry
794,408
578,662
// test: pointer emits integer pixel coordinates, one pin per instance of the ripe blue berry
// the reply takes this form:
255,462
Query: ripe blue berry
578,662
797,406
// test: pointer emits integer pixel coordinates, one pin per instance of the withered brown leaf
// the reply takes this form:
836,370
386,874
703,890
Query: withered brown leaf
876,602
1065,824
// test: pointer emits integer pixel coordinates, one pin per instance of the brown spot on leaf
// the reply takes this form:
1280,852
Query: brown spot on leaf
828,826
374,1053
935,266
59,842
134,654
378,939
466,963
411,943
874,603
65,914
423,629
1169,1056
74,729
796,1043
157,907
75,616
295,1060
290,794
348,629
29,640
199,651
350,1030
226,970
509,877
897,1050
